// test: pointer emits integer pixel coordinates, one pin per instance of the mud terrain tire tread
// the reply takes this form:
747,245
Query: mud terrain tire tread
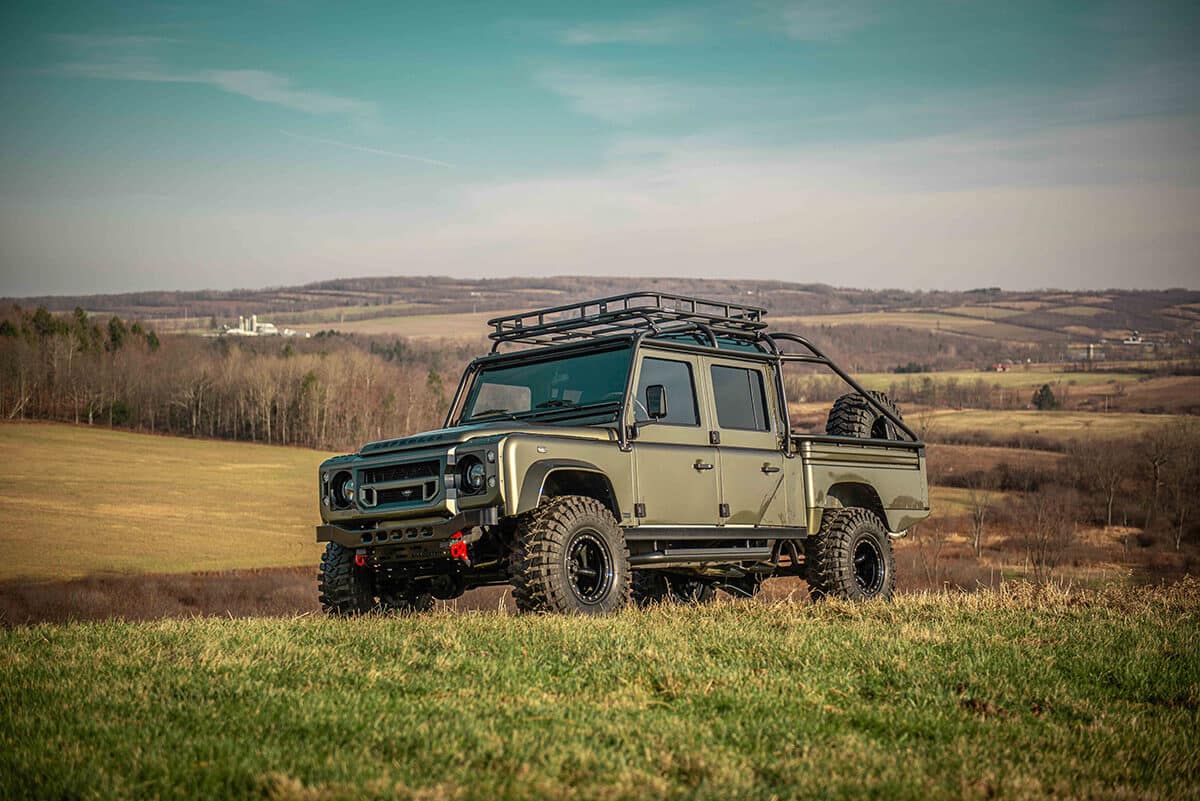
829,556
852,415
343,589
540,583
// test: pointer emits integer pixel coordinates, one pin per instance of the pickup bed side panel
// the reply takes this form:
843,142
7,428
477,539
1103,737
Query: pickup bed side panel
895,474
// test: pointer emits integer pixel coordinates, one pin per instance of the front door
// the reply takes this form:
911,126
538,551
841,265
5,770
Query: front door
675,465
751,462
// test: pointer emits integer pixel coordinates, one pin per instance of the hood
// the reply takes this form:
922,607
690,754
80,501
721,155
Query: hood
457,434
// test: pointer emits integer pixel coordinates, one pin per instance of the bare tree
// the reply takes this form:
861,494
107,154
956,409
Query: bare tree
1048,528
1182,477
980,496
1157,448
1101,466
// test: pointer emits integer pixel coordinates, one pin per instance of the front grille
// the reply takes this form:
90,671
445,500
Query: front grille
421,492
400,472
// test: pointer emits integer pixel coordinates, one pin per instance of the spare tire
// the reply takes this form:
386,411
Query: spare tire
853,415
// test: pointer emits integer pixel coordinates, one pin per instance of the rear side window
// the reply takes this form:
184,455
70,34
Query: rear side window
676,378
741,401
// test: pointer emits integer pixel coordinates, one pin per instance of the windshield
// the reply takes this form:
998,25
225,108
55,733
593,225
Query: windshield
555,387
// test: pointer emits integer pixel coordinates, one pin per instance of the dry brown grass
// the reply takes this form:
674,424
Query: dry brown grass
77,500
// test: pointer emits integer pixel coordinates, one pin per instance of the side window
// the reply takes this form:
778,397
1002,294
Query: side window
741,401
676,377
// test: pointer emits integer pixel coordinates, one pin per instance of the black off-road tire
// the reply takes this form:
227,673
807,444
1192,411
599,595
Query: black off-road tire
554,547
850,558
852,415
655,587
345,588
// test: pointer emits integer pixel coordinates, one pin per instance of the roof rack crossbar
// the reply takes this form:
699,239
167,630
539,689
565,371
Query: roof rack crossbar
633,311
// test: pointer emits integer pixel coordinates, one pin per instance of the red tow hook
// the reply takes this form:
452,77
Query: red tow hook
360,560
458,548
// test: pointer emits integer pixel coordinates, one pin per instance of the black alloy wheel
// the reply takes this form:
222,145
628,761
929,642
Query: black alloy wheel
589,566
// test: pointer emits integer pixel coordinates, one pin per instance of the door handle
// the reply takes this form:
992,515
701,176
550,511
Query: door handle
770,468
702,466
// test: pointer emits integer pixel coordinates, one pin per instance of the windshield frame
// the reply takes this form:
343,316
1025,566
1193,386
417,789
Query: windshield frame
551,415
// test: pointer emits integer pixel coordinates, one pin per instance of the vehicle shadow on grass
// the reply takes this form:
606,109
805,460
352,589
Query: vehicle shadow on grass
265,592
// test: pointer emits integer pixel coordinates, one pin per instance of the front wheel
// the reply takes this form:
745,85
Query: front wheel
344,587
850,558
569,556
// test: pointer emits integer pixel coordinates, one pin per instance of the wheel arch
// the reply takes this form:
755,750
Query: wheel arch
550,479
847,494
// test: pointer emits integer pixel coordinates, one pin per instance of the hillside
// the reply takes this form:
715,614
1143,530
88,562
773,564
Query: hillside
136,503
1041,317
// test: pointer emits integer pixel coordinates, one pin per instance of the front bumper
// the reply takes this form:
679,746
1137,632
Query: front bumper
407,532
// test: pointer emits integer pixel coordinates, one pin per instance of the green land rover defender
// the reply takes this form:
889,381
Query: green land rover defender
633,448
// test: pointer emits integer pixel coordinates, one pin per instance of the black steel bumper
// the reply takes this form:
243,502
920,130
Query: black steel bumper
406,532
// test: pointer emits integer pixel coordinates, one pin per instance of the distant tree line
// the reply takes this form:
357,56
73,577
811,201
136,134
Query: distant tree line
331,391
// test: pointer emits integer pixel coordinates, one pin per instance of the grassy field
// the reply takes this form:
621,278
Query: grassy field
1050,425
1016,377
995,695
77,500
928,321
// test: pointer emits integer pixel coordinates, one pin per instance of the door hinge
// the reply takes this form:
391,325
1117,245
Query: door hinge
714,437
723,510
639,510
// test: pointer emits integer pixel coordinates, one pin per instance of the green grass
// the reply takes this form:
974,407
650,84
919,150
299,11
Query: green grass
984,696
77,500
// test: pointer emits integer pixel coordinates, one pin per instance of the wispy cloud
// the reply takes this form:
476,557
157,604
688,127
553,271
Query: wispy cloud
823,20
129,58
618,100
102,41
661,29
361,149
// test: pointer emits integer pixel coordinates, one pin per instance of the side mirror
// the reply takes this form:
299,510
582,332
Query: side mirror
656,401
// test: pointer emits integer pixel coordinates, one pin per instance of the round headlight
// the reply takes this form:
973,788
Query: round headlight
342,490
474,474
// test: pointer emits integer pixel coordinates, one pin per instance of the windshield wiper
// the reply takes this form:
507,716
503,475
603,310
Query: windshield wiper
491,413
570,407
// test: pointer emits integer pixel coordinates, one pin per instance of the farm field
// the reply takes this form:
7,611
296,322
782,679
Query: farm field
466,325
1059,426
928,321
1013,695
1016,377
127,502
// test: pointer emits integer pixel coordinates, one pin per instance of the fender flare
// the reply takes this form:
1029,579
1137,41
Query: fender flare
537,474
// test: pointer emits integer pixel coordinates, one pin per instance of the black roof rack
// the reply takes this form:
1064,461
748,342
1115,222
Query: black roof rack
633,311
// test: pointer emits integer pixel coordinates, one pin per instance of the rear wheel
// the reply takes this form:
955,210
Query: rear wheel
654,586
853,415
569,556
344,587
850,557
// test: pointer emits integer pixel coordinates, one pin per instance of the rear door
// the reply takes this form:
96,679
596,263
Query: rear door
749,456
675,465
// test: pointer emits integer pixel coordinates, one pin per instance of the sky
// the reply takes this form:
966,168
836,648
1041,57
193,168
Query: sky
932,144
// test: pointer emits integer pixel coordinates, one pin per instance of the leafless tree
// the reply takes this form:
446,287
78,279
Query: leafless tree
980,495
1047,530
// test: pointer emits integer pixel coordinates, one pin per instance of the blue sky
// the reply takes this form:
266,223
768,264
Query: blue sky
941,144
